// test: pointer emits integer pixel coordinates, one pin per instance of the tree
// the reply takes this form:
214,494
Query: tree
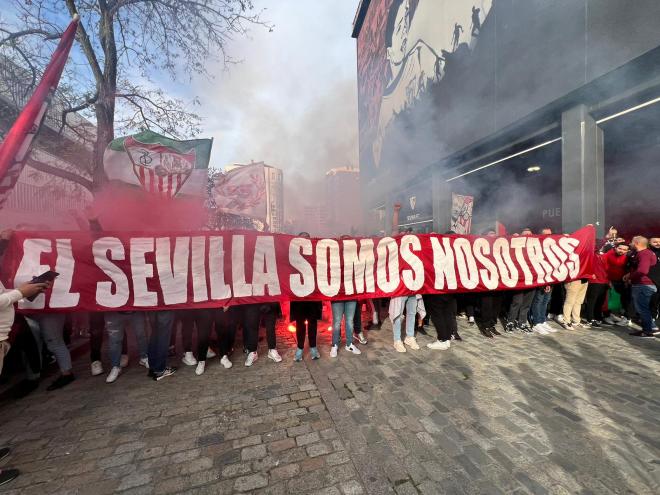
123,48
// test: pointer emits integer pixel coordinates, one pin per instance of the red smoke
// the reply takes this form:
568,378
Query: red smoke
120,208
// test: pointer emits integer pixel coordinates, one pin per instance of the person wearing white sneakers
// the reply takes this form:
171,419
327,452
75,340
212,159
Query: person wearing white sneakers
442,309
115,326
202,320
226,320
413,305
251,315
343,310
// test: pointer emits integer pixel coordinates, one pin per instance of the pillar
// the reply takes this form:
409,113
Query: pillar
582,169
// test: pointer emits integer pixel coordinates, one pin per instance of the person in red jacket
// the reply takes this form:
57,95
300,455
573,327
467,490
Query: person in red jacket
615,264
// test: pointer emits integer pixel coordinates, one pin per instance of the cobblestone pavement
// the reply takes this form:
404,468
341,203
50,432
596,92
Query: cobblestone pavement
572,412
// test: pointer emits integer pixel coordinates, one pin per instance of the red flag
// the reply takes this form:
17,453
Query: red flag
500,228
15,148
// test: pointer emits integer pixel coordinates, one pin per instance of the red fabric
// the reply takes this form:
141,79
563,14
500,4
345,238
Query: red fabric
615,265
15,148
101,271
600,270
645,260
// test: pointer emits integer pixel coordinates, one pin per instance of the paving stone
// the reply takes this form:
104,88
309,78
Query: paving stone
252,482
254,452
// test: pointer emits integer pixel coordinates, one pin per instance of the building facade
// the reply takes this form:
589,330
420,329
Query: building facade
542,113
40,200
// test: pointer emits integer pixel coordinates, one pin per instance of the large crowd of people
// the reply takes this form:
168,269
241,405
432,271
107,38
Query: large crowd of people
630,269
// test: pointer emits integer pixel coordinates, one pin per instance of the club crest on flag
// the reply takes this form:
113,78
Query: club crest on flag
159,168
159,165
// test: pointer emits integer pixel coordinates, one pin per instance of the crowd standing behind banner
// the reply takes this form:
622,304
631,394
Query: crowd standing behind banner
632,271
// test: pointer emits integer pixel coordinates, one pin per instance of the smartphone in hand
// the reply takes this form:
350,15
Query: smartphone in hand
48,276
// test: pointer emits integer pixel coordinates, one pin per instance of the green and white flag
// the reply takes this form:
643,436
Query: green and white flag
158,164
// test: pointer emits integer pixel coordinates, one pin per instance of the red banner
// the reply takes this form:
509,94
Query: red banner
121,271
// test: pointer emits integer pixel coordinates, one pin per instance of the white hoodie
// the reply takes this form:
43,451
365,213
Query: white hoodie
7,300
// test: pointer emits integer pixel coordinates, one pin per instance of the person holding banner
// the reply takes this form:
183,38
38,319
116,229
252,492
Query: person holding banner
345,310
159,342
413,305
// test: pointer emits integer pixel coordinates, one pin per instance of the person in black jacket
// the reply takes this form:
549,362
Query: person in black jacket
654,274
306,315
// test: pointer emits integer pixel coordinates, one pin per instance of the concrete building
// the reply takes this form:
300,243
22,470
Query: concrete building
41,200
343,211
544,113
274,194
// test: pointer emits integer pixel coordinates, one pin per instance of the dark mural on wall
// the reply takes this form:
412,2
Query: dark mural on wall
435,76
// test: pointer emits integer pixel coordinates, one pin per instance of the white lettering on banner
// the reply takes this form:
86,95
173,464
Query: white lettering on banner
264,268
569,244
443,264
358,268
489,275
241,287
517,244
61,295
112,294
537,260
557,259
124,273
412,279
141,271
198,269
31,266
508,271
173,270
467,267
301,283
327,256
387,269
219,289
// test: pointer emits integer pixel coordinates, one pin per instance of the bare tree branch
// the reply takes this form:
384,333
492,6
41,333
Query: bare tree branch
61,173
27,32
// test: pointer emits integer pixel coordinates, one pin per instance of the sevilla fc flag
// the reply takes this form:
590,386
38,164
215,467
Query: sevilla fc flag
159,165
15,148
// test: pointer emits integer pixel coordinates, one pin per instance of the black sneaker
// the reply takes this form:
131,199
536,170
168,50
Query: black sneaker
640,333
60,382
486,333
455,336
595,324
7,475
494,331
165,373
525,328
4,452
510,327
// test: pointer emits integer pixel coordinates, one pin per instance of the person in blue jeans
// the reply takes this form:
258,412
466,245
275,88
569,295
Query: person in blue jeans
48,328
115,325
397,307
643,287
345,310
159,344
539,310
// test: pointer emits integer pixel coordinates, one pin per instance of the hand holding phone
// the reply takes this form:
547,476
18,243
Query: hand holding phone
38,284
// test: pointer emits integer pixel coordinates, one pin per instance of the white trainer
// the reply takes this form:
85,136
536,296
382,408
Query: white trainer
609,320
538,328
210,354
353,349
97,368
200,367
251,358
333,351
189,359
144,362
399,347
226,362
548,328
622,321
123,362
411,342
113,375
360,338
439,345
274,355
